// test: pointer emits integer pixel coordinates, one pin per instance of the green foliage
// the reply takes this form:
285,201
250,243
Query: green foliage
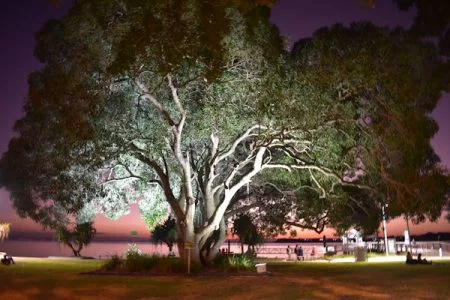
153,209
374,126
235,262
75,238
241,262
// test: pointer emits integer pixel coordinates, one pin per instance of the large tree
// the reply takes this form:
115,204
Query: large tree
182,104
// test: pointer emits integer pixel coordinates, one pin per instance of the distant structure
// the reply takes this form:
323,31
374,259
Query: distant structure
4,230
350,240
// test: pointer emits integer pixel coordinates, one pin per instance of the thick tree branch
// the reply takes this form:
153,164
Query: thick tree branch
147,95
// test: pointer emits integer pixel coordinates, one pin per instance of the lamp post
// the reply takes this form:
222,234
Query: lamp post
384,228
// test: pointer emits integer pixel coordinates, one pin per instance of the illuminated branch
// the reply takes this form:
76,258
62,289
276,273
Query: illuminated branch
324,194
237,168
165,184
146,94
175,97
131,177
231,191
241,138
240,210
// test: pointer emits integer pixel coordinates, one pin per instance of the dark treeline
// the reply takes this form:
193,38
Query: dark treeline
429,236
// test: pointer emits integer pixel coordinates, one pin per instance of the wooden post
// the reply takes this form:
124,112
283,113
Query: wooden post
188,246
189,261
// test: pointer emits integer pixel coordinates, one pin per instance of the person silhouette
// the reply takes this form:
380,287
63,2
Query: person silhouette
289,251
409,258
7,260
421,260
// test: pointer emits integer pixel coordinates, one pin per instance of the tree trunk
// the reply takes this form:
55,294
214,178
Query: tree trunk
80,247
76,252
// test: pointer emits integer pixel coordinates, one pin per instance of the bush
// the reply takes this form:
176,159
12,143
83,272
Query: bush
237,262
133,251
136,262
144,263
220,260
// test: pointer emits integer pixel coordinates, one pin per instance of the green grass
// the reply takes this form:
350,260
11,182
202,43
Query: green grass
370,254
60,279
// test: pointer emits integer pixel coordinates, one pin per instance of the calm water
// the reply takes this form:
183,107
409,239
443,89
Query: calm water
95,249
107,249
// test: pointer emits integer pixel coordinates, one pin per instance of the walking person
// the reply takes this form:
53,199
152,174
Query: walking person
297,252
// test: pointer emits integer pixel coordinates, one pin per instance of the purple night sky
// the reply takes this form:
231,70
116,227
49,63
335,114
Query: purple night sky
295,18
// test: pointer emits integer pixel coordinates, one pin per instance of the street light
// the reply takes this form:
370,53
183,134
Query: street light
384,228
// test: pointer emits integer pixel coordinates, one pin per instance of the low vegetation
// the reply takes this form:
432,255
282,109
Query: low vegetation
145,263
136,262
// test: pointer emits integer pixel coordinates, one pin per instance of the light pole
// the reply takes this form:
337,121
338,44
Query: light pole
384,228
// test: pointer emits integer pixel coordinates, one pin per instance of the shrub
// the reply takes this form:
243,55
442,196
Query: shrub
113,264
133,251
236,262
135,262
220,260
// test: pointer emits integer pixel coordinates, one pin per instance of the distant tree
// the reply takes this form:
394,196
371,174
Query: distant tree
75,238
165,233
247,232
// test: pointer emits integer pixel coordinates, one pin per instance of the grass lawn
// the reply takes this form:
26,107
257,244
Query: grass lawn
61,279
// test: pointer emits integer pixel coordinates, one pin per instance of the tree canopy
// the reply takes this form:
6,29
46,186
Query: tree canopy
393,80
